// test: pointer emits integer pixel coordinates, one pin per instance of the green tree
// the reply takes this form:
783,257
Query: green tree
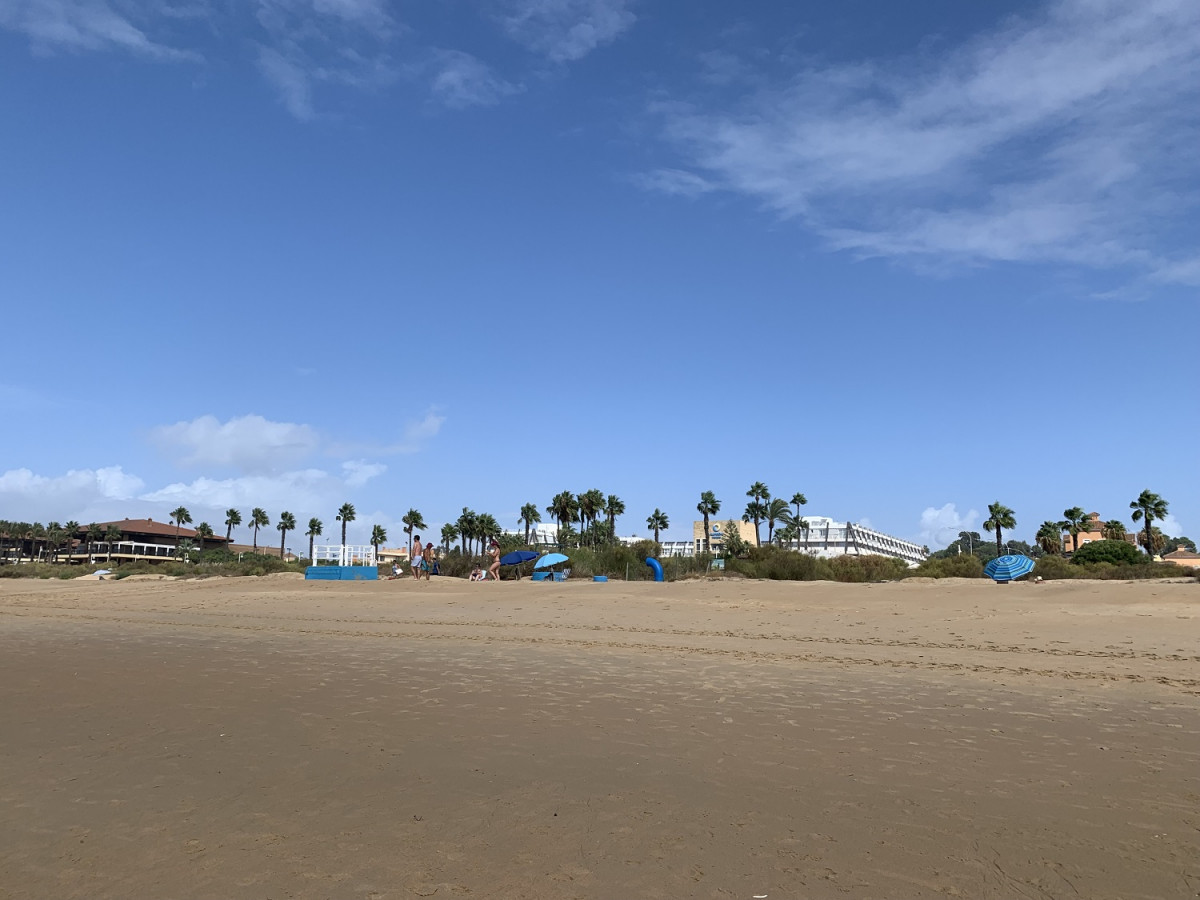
94,533
756,509
287,522
232,518
971,538
1114,530
467,524
1049,537
1154,543
180,516
591,507
657,521
564,508
72,532
258,519
709,505
1149,507
203,531
345,515
733,545
449,535
379,536
615,506
799,500
315,528
112,536
776,510
1077,520
412,521
530,516
999,516
1179,543
486,527
1114,552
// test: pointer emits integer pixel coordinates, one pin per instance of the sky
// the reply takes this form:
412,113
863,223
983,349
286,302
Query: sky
907,259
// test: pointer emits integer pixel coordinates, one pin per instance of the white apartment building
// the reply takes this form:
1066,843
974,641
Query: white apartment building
824,537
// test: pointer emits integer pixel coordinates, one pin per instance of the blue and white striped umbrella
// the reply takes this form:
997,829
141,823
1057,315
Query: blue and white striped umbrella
1006,568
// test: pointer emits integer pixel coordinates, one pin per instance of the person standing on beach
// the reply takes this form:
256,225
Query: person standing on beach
427,560
494,553
414,557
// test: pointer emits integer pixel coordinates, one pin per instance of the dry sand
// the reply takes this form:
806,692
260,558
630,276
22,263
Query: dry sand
267,738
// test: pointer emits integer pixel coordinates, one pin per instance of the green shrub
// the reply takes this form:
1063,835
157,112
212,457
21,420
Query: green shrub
1054,567
1115,552
963,565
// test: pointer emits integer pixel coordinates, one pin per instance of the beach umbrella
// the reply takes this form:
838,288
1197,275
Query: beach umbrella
517,557
1006,568
550,559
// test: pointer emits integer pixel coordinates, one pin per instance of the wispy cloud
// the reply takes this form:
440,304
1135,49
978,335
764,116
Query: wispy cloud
674,182
418,433
1058,138
566,30
92,25
78,494
462,80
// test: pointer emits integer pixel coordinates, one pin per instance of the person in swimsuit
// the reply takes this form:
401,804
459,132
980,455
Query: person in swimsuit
494,553
414,557
427,561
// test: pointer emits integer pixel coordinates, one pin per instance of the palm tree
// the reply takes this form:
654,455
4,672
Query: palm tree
999,516
112,535
315,527
232,518
709,505
345,515
72,530
379,536
1077,521
1114,530
1157,541
657,521
203,530
486,527
466,524
94,533
449,535
776,510
591,507
565,508
530,516
287,522
616,507
799,500
756,509
412,520
1049,537
258,519
54,537
180,516
1149,506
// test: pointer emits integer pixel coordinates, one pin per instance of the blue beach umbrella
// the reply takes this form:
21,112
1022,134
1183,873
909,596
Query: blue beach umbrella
550,559
517,557
1006,568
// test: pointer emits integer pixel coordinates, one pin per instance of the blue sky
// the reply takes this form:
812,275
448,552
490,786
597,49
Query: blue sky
909,259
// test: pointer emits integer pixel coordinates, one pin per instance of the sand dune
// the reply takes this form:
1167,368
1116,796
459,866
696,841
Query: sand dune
279,738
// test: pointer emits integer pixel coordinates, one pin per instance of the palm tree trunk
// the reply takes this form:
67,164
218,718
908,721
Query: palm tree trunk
311,538
998,540
282,540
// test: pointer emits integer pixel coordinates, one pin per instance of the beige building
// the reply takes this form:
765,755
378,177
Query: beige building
1095,532
717,531
1183,557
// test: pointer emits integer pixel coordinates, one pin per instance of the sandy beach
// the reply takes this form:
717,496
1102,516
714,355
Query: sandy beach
275,738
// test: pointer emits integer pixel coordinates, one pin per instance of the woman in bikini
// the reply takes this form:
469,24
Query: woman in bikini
494,553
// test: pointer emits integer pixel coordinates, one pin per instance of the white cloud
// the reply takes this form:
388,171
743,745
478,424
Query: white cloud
940,526
566,30
1061,138
1170,526
418,433
247,443
462,81
674,182
80,494
86,25
358,472
299,489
